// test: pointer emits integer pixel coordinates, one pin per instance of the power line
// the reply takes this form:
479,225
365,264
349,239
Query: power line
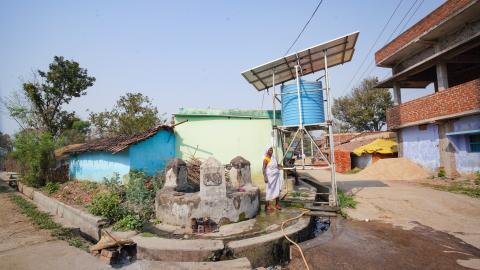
395,30
411,16
388,39
374,43
304,27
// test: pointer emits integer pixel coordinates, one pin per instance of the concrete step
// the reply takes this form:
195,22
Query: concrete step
177,250
237,264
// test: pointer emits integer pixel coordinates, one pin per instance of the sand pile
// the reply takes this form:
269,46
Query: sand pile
393,169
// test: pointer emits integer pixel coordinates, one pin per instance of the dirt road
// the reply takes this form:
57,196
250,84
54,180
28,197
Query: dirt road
409,205
23,247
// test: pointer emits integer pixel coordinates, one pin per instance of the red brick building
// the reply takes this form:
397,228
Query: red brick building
440,130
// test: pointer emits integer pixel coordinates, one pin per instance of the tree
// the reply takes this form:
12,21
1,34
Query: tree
5,144
132,113
76,132
45,98
364,109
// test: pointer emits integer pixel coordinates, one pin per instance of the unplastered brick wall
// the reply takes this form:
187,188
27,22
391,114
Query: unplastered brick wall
343,162
431,20
460,98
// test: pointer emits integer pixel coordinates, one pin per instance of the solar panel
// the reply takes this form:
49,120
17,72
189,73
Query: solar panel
311,60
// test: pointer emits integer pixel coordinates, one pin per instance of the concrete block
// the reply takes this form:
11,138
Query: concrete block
163,249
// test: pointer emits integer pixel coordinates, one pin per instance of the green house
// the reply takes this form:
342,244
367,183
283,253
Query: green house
225,134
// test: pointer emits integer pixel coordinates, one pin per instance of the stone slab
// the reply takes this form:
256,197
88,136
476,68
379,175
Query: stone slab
236,264
163,249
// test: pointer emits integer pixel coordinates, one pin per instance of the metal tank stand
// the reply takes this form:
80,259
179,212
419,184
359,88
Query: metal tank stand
301,131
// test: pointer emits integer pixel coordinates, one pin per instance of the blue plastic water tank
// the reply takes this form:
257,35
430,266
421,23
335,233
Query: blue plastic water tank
312,103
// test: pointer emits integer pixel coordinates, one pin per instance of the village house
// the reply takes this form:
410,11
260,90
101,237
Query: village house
440,130
101,158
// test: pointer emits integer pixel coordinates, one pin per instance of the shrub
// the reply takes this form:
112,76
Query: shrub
34,153
108,205
51,187
140,193
113,183
441,172
128,223
346,200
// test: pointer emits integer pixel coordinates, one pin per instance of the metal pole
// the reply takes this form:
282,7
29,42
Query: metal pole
334,201
274,117
300,114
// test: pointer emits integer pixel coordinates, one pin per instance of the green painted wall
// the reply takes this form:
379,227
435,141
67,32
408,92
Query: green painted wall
224,137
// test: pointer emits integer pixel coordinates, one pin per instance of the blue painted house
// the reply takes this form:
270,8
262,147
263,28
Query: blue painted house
148,151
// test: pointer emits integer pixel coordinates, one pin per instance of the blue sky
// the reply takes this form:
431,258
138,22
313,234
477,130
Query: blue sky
183,53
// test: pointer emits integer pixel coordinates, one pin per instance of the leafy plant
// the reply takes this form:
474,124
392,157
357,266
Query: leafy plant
113,183
108,205
51,187
34,153
441,172
346,200
128,223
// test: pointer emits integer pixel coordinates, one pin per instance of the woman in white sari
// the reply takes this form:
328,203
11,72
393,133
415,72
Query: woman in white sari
273,178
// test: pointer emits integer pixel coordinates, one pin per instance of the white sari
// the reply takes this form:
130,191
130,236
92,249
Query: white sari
275,179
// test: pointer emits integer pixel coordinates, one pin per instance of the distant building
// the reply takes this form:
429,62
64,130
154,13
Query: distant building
225,134
148,151
440,130
357,149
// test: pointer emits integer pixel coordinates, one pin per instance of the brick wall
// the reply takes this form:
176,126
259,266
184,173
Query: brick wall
456,99
432,19
342,161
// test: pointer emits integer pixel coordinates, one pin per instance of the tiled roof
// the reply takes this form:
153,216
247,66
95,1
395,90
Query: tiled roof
116,144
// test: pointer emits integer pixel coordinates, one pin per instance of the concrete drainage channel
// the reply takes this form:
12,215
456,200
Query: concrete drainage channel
261,249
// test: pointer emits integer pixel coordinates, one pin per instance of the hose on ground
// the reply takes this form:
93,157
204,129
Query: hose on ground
305,211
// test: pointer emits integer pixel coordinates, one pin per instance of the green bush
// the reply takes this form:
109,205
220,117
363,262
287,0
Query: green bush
34,153
128,223
346,200
108,205
51,187
441,172
113,183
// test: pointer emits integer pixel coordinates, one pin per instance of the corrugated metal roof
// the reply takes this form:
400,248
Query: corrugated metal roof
116,144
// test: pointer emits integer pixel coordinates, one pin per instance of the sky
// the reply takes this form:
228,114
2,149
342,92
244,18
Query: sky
187,54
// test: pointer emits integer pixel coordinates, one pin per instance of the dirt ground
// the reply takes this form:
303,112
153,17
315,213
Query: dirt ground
374,245
410,205
22,246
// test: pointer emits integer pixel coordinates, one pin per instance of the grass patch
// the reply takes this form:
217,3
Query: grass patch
353,171
43,220
346,201
147,234
460,188
297,194
51,187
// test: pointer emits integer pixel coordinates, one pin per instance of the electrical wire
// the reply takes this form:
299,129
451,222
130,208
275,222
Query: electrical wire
411,16
369,67
374,43
305,211
304,27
